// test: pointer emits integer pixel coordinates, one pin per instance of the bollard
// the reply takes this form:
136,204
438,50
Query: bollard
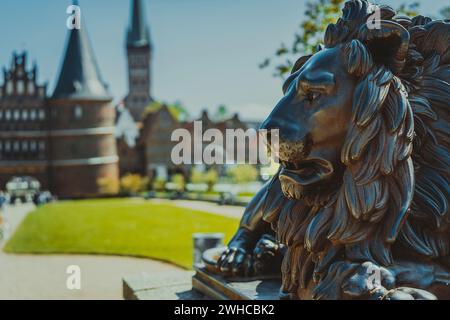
203,242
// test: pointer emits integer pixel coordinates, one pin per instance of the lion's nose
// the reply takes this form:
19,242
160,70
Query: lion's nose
287,117
270,124
287,128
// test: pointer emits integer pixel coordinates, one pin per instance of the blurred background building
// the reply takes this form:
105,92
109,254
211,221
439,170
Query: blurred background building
66,141
73,138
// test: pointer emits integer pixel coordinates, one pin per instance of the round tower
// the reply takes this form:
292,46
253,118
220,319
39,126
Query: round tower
83,145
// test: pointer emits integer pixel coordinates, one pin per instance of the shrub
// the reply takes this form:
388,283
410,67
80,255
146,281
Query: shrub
243,173
108,185
209,177
159,184
179,182
133,183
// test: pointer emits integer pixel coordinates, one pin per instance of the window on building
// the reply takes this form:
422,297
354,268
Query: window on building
8,115
31,88
20,87
41,115
16,146
78,112
8,146
33,115
25,146
33,146
24,115
9,87
41,150
16,115
1,115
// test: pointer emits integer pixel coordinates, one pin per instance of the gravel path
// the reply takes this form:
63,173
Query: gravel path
45,277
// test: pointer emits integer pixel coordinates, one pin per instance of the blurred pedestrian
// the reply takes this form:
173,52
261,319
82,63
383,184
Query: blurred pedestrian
3,224
3,201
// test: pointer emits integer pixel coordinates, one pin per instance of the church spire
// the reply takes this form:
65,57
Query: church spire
79,76
138,33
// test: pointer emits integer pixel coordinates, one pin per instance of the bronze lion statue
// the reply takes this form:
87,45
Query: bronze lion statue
360,206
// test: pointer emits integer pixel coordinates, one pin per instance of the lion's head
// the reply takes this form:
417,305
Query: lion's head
341,107
346,126
313,119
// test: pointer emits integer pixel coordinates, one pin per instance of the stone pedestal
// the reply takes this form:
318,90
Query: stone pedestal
201,285
219,288
160,286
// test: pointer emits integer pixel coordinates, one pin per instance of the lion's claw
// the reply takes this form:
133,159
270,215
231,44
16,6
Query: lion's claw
263,259
235,262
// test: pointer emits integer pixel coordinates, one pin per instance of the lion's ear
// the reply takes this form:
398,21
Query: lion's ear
388,43
319,48
299,63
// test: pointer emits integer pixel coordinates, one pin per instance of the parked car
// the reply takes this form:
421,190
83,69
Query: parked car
227,198
41,198
23,188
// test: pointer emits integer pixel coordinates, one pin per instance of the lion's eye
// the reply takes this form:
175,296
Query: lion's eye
312,96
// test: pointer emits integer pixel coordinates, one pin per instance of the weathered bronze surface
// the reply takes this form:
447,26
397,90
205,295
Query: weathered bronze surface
359,208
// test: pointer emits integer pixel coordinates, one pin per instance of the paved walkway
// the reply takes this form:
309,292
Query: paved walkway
228,211
45,277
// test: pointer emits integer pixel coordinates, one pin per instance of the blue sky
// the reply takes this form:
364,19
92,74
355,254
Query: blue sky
206,52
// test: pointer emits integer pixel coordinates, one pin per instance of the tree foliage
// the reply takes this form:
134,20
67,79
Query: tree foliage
159,184
244,173
221,113
108,185
445,12
209,177
317,16
179,182
177,110
133,183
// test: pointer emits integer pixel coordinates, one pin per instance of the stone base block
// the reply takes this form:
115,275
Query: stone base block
219,288
160,286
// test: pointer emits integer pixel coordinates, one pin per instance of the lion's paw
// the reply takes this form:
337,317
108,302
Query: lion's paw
405,293
267,256
373,282
367,280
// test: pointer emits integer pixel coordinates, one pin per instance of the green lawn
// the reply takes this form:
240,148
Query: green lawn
131,227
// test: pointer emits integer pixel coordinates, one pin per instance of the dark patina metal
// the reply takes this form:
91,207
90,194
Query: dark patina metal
359,208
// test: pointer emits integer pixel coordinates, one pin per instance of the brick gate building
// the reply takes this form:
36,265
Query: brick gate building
24,123
66,141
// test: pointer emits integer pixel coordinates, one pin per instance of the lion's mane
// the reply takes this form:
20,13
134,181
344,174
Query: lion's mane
393,197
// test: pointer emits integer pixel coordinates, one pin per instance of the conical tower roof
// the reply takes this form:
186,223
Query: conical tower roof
79,77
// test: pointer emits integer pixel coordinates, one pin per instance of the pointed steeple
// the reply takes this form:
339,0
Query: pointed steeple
79,76
138,33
